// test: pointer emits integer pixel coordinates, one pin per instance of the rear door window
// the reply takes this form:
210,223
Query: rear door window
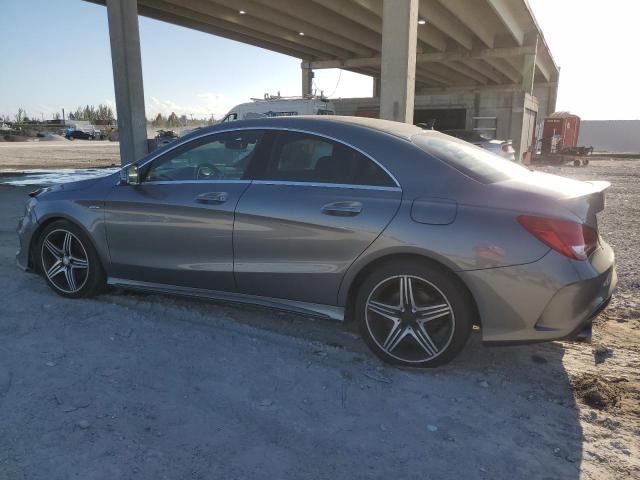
300,157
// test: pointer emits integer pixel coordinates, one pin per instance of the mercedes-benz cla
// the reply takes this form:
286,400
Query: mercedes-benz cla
414,235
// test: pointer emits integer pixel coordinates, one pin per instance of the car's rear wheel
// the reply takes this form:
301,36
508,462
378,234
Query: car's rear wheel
414,313
68,261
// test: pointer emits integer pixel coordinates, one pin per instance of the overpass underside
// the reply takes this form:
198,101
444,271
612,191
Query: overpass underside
479,64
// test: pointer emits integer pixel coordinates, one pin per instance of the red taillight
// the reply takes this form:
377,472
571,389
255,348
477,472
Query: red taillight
571,239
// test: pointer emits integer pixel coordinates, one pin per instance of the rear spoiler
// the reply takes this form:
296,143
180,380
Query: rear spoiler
590,202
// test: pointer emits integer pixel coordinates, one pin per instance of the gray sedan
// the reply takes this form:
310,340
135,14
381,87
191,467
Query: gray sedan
414,235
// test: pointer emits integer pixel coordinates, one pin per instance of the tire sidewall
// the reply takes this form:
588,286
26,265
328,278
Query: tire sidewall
453,289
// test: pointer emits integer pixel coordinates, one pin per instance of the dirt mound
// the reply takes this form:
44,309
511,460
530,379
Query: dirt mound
52,137
597,392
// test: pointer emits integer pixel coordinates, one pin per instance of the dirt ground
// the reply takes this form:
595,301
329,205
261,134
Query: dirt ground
58,154
144,386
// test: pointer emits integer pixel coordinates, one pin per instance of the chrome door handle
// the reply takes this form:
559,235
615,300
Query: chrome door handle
213,198
342,209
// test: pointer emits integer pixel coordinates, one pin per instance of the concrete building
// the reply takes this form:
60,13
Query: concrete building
480,64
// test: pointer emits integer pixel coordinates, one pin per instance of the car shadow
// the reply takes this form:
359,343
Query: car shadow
494,412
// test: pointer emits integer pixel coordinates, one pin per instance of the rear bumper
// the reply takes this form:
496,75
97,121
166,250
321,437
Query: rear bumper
551,299
583,331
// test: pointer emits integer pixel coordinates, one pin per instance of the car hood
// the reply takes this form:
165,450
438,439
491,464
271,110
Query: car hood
71,186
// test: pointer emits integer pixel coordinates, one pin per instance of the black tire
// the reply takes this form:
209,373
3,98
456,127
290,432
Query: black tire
89,280
430,285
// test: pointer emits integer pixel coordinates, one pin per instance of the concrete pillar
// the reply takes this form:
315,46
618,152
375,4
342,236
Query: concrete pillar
520,124
529,68
307,79
127,79
398,75
524,109
553,94
517,123
376,87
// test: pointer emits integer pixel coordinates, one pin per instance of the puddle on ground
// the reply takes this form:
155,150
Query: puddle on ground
23,178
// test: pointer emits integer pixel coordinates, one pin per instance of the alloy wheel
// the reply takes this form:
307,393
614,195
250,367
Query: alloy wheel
409,318
64,261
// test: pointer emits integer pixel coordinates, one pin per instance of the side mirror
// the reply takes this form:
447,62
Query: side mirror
130,175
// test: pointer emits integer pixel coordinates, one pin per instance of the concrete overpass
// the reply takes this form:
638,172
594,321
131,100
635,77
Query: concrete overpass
486,58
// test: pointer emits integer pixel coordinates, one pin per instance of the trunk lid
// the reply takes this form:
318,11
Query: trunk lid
584,199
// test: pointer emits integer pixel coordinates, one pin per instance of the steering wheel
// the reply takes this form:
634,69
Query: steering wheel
207,171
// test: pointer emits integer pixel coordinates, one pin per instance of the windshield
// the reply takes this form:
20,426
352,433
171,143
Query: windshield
477,163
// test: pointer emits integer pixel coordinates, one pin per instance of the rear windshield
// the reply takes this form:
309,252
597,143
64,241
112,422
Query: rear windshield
476,162
469,136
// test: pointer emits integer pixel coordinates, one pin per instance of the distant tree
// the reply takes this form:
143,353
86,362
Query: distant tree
21,116
159,121
77,114
104,112
92,113
173,120
57,116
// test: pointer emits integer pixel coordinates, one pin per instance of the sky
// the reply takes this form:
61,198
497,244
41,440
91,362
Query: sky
55,54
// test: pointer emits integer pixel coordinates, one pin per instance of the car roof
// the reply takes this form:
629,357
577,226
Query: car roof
397,129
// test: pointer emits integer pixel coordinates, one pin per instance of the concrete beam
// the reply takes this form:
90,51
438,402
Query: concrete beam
429,36
399,38
466,72
485,69
474,16
504,68
509,13
204,27
127,79
484,54
545,65
438,16
324,19
509,87
266,13
432,76
233,20
174,13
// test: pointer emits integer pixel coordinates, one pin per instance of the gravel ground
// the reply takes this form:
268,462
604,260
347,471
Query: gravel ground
58,154
142,386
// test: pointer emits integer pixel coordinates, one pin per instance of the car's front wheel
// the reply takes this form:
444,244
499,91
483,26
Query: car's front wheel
69,262
414,313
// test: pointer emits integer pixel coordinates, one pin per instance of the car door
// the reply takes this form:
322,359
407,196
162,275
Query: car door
318,205
176,226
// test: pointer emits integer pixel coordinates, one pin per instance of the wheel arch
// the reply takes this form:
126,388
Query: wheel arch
42,225
365,270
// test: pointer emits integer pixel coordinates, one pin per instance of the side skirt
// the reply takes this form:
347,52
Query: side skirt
304,308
